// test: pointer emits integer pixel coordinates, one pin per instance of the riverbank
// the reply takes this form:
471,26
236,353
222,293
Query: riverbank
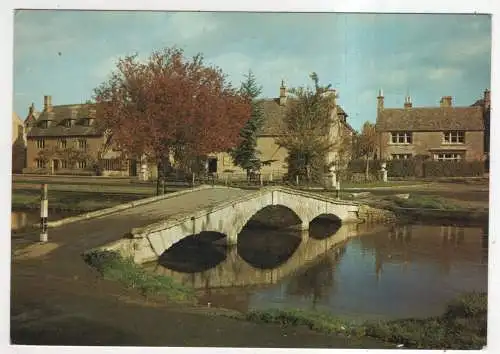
462,326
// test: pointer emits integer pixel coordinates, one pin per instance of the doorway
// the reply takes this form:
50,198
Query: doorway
212,165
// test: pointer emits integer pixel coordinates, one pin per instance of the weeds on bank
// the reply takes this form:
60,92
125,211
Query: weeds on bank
424,201
462,326
112,266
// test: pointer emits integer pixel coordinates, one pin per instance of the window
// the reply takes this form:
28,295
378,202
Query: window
454,137
44,124
68,123
82,164
61,143
401,138
448,156
64,164
40,143
111,164
82,144
40,163
401,156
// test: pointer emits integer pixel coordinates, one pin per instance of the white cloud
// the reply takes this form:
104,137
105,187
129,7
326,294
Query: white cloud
187,25
438,74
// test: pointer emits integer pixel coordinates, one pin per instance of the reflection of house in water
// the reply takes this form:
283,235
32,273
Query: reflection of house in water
439,245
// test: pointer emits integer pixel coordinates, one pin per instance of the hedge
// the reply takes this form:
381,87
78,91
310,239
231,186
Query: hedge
418,167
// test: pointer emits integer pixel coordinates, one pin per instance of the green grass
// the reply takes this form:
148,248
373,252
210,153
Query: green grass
113,267
462,326
71,200
379,184
424,201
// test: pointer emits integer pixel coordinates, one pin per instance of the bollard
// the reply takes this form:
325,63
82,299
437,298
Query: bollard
163,185
297,180
261,181
337,187
44,213
192,181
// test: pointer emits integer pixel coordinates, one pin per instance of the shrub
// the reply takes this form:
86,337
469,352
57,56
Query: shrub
453,168
402,168
359,166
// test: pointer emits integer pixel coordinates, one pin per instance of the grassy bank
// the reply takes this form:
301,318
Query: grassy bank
462,326
71,200
113,267
430,208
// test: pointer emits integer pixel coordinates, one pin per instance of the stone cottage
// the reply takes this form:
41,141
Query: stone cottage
444,133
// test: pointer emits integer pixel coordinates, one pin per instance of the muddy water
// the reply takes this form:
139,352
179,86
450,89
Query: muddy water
356,272
24,220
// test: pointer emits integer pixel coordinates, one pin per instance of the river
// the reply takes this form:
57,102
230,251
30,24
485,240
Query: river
24,220
359,272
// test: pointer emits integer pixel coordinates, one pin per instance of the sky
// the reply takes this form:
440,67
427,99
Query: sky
66,54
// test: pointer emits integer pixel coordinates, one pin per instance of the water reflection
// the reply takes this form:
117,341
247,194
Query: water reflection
359,272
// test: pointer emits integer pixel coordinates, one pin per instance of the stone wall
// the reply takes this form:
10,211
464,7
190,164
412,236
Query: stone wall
375,215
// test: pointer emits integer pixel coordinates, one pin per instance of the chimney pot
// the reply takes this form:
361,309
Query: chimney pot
47,103
487,99
446,101
380,100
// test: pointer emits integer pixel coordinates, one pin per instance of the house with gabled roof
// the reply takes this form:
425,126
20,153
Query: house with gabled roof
271,153
444,133
67,139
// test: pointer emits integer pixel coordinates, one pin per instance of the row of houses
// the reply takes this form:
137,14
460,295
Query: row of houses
60,128
62,139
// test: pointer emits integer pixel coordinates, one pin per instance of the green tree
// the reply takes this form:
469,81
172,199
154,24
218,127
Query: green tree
306,126
245,154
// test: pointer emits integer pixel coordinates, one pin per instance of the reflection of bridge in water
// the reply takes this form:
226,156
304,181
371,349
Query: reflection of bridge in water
234,271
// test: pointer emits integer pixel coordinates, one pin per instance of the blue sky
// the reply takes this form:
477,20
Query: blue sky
428,56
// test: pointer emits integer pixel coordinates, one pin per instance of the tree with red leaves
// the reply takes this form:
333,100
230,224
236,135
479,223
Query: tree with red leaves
171,106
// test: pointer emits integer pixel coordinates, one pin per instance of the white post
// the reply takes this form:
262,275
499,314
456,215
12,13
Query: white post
261,181
193,180
271,176
333,177
384,171
44,213
337,187
297,180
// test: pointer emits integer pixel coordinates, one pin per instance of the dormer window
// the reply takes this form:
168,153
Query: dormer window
87,121
44,124
68,123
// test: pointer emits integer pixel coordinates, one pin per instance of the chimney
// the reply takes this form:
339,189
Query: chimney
487,99
380,100
408,103
31,110
282,93
47,103
446,101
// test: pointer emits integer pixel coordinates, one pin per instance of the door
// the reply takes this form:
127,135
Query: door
212,165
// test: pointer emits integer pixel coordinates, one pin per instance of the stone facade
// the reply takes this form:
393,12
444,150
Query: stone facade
441,133
275,110
61,131
18,144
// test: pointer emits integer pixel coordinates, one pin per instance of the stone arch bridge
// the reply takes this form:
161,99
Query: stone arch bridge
228,216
